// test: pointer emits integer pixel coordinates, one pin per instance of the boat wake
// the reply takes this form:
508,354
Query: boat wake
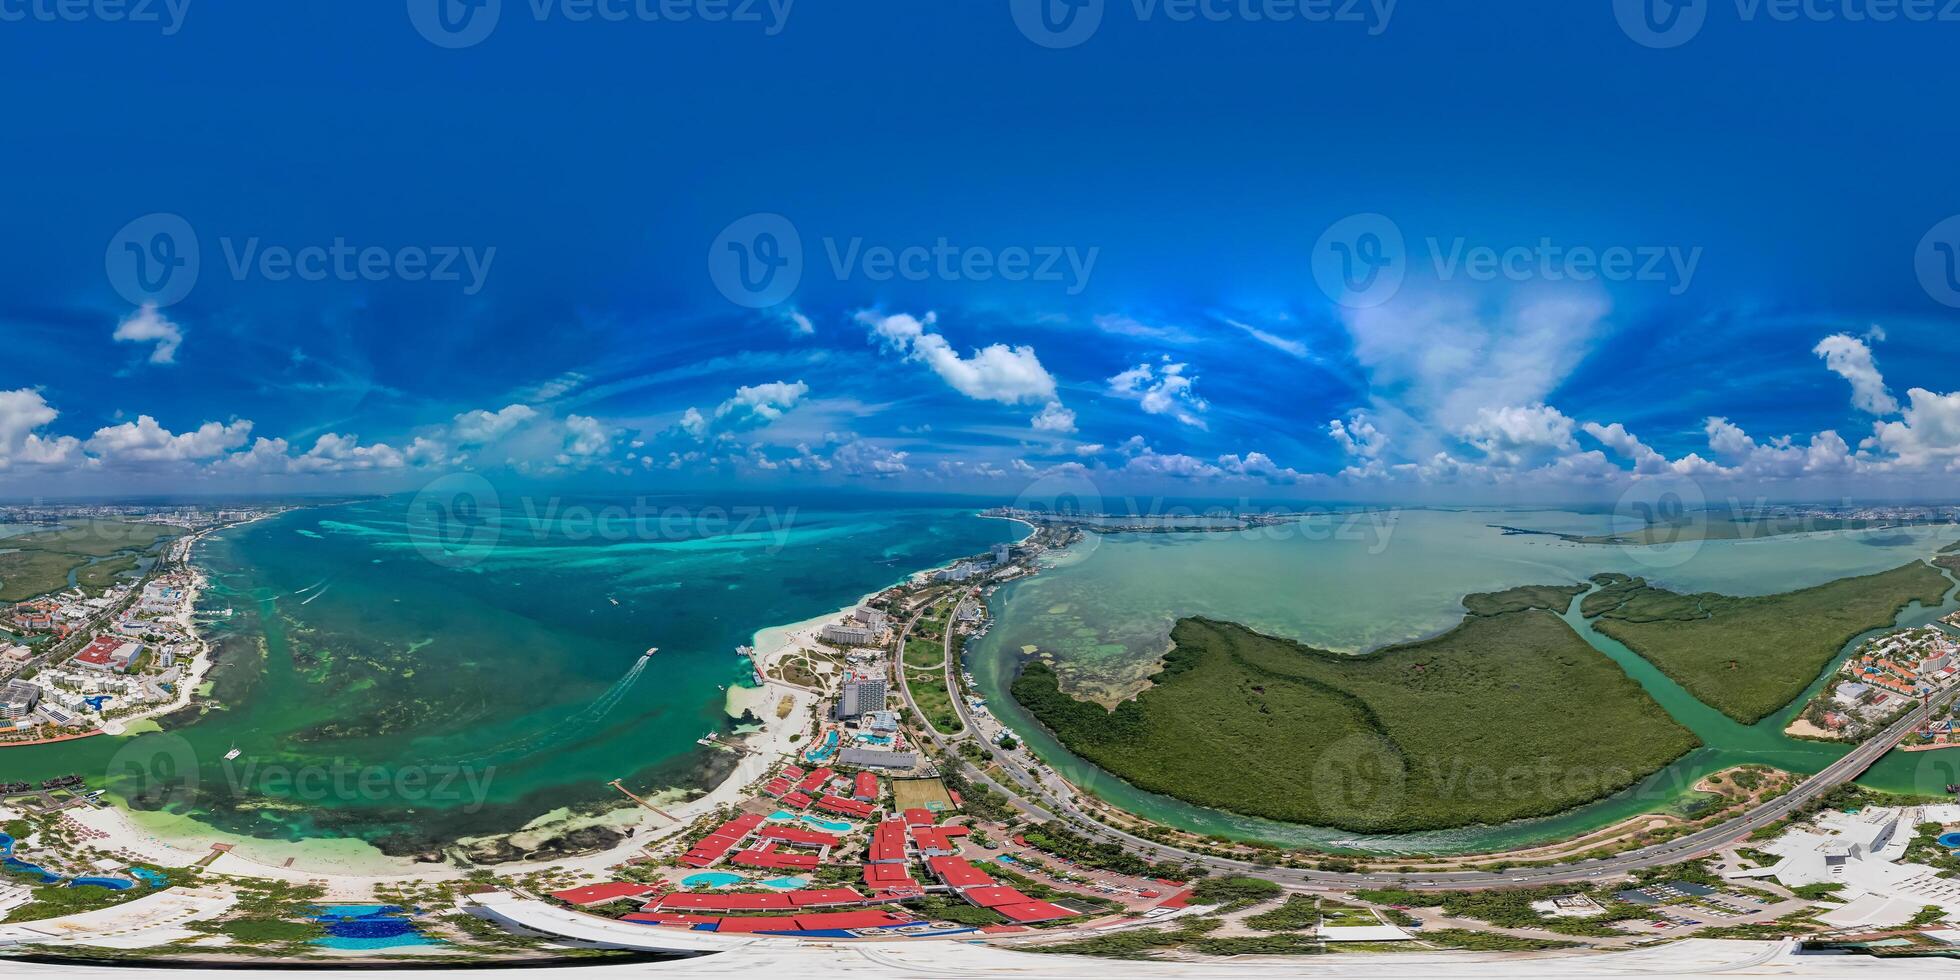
316,595
572,724
310,587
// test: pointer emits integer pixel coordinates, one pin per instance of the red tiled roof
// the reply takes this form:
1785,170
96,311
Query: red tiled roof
797,835
815,780
934,839
98,650
919,817
670,919
989,896
887,842
840,805
865,919
772,859
721,902
958,872
797,800
825,896
777,786
866,786
758,923
608,892
793,772
884,877
1034,912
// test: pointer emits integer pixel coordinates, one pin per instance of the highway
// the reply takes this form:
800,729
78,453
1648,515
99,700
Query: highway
1045,797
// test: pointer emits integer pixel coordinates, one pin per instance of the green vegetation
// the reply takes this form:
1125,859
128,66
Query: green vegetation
1551,597
935,702
1510,908
924,653
1490,941
1234,893
1384,742
1054,838
1299,912
1134,944
941,909
1749,656
1281,945
1818,891
39,563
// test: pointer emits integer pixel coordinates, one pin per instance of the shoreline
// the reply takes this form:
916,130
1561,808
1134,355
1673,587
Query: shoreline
352,867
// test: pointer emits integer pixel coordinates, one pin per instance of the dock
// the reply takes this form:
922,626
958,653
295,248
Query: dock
615,784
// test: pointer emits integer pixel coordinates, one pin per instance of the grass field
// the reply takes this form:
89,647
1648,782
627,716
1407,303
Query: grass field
935,702
923,652
1507,716
929,793
1749,656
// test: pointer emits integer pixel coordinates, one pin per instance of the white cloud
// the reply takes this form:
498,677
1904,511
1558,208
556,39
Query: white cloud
694,424
586,436
1273,340
1358,435
996,373
766,402
148,325
799,324
1928,434
1851,359
1517,434
145,441
22,411
477,427
1617,438
1259,466
1125,326
1161,390
1055,418
860,458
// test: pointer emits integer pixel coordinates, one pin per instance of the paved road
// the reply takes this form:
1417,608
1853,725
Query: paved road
1045,797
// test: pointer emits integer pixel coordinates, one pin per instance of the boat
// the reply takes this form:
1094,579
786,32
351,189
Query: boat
233,754
612,600
1953,787
650,652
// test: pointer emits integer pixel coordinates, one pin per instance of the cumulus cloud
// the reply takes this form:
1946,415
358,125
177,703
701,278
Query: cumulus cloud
1162,390
996,372
145,441
22,412
1851,359
1054,418
586,436
1357,435
479,426
860,458
148,325
1928,433
1516,434
766,402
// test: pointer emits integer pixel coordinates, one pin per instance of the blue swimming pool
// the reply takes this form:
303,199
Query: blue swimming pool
876,739
369,927
14,864
821,753
1950,840
832,826
786,884
712,879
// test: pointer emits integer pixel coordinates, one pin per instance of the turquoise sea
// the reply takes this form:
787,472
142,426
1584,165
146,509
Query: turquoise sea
409,684
1354,582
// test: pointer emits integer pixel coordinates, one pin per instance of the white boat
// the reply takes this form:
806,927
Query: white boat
612,600
233,754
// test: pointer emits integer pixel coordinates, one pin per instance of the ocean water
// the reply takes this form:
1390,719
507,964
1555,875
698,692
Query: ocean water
1351,583
408,685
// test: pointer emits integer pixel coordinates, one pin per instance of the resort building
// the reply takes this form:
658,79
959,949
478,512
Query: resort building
848,634
19,699
113,653
877,759
859,697
875,619
1863,852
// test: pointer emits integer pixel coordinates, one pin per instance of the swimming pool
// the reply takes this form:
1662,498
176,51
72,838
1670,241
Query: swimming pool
820,753
1950,840
833,826
11,863
369,927
876,739
786,884
711,879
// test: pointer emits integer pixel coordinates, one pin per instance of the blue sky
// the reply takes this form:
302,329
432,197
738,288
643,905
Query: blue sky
1140,258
